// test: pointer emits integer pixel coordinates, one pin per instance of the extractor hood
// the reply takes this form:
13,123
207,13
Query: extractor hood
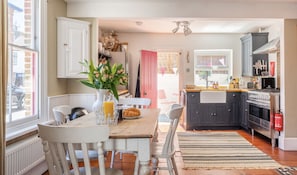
270,47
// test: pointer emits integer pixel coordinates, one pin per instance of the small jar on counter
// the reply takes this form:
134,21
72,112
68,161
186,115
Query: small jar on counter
215,85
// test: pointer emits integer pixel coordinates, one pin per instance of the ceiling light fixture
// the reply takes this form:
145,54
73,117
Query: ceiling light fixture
176,28
185,25
139,23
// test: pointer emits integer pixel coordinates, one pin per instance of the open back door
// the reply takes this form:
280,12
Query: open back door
148,76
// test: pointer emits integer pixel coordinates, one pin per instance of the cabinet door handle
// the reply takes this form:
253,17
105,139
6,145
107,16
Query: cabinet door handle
193,95
66,47
214,114
233,95
229,110
246,110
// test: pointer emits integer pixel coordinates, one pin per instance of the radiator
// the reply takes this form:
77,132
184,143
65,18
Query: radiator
22,157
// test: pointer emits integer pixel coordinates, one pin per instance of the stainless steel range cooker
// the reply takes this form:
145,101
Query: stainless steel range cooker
263,104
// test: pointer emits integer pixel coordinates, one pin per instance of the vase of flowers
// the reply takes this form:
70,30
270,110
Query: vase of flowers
97,105
105,78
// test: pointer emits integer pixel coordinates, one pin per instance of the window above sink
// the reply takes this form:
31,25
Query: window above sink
212,66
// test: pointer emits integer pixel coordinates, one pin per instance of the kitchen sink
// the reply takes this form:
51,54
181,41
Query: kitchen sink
213,96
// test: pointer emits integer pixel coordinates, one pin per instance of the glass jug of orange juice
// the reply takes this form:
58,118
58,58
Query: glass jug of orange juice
108,106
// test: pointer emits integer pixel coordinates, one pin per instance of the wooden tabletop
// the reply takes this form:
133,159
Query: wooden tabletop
143,127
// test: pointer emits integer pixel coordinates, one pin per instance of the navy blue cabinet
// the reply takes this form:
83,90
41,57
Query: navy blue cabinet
193,110
211,115
244,109
233,107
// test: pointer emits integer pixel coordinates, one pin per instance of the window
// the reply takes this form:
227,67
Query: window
24,96
212,66
168,62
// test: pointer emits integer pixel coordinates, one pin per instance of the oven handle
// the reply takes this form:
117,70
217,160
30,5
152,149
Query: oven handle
260,105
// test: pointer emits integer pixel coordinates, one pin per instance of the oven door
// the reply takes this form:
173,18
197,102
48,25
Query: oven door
254,110
259,119
259,111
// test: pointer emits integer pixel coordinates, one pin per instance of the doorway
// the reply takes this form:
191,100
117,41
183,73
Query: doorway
168,81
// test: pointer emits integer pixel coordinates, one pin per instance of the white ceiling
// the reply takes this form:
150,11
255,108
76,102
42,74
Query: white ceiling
197,25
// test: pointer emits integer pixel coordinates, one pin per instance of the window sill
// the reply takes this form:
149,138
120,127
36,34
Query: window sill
23,134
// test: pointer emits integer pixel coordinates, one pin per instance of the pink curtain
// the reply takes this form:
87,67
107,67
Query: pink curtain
148,76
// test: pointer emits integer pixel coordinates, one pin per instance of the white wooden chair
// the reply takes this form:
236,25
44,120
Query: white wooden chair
58,141
61,114
140,103
166,150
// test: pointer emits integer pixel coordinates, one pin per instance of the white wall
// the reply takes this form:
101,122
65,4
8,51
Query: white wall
288,61
179,42
181,8
274,32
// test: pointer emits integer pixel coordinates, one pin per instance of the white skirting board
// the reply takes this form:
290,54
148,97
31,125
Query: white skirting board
287,144
39,169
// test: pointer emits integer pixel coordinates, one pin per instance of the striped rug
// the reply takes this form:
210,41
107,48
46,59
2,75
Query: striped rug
226,150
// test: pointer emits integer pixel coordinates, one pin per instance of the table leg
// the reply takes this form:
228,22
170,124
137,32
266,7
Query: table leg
144,156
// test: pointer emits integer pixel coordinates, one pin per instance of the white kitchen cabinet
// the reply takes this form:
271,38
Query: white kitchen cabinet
73,40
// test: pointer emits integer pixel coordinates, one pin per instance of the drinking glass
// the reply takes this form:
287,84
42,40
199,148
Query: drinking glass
109,109
100,118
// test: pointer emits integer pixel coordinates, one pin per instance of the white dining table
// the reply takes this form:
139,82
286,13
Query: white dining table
129,135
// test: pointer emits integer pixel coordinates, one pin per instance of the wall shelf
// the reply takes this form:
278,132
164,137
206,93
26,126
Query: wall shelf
103,55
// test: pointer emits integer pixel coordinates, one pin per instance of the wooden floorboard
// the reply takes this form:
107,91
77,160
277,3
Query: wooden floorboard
286,158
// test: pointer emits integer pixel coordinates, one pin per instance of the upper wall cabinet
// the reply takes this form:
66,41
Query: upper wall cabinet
72,47
254,64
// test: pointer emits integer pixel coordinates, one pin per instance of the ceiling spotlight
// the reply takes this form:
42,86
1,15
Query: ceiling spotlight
139,23
185,25
187,30
176,28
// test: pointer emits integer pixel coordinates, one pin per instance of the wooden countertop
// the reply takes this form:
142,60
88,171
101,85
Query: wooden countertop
219,89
